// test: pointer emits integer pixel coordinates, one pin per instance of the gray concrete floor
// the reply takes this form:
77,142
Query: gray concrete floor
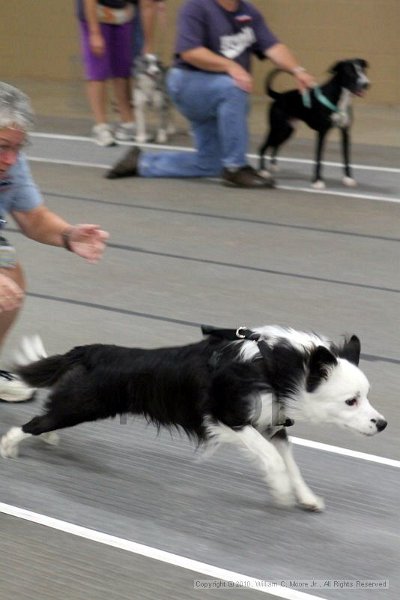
183,253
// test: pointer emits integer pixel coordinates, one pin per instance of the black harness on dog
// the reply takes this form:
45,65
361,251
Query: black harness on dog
243,333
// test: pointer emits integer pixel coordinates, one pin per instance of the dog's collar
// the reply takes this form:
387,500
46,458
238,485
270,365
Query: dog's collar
243,333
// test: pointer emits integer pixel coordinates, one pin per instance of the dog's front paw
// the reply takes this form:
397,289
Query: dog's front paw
349,182
312,503
318,185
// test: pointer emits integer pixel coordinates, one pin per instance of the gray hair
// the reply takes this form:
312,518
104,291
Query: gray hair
15,108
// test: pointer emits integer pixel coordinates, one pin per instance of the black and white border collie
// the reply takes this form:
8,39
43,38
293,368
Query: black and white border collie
242,387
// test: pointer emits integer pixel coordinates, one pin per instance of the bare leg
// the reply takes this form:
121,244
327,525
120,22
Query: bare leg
97,95
123,98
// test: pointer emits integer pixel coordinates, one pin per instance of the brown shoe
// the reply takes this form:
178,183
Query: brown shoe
246,177
127,166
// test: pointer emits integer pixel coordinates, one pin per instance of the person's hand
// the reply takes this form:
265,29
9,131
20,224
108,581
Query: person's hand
11,295
97,43
242,78
87,241
305,80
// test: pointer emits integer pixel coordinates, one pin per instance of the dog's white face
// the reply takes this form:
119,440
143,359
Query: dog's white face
343,399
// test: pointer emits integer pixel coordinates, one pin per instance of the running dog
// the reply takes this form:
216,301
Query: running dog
323,108
243,387
150,91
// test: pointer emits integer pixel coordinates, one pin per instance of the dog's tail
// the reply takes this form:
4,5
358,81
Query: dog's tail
270,77
35,368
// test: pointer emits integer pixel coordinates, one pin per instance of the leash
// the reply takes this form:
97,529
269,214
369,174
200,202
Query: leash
244,333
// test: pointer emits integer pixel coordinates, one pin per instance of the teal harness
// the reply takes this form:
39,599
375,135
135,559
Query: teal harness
320,97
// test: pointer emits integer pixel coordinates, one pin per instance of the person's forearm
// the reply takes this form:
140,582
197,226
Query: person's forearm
283,58
42,225
90,10
205,59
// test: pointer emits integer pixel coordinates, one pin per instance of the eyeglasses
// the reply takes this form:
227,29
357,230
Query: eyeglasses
14,148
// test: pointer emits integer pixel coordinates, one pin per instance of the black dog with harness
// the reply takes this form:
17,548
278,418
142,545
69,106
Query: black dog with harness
321,109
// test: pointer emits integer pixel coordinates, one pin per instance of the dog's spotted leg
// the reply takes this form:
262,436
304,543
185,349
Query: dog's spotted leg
305,496
10,442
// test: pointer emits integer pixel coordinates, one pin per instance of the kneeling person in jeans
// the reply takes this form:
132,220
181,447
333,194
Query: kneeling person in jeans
210,84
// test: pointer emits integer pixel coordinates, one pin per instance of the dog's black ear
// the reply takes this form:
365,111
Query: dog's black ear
321,360
335,68
351,350
363,63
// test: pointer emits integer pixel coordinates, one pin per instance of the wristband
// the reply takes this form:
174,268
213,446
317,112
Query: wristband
65,237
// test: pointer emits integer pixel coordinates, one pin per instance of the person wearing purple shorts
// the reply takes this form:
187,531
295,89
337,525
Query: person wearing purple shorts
210,83
106,43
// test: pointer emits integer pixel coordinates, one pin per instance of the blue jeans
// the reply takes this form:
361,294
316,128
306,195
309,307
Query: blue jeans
217,110
138,38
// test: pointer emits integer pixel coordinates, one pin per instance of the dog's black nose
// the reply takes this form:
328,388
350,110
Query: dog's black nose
380,424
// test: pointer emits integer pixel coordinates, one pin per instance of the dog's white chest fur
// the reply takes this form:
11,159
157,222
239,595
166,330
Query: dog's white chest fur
342,118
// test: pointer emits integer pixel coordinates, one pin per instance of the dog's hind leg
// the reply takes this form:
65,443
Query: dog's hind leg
10,441
43,425
305,496
281,129
348,177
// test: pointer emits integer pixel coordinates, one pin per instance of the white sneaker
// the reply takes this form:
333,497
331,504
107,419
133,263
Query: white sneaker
13,389
102,135
125,132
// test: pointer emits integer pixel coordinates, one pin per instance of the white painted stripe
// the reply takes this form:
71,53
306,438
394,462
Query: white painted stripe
390,462
71,163
328,163
309,190
79,138
155,554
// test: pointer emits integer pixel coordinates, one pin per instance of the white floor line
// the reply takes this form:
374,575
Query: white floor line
79,138
308,190
70,163
346,452
328,192
264,587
